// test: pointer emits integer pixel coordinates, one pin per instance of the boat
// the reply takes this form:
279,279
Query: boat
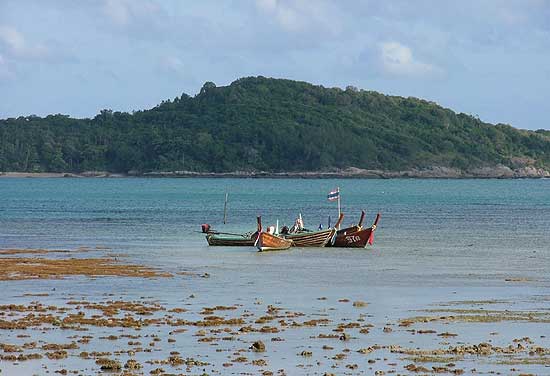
354,228
268,241
232,240
271,242
340,234
356,236
306,238
216,238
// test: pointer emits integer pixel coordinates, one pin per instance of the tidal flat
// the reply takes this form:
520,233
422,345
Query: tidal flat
85,319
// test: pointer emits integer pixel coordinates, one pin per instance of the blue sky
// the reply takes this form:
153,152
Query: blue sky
481,57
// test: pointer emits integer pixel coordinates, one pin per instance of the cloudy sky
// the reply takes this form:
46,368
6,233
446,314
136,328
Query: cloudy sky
481,57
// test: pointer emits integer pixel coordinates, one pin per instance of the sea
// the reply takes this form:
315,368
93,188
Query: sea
438,242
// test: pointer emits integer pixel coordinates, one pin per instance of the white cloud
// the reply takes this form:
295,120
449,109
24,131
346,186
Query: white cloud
284,13
398,59
5,71
12,38
301,15
123,12
118,11
173,64
267,5
16,45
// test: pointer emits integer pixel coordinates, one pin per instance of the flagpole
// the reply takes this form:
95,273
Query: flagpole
339,211
225,209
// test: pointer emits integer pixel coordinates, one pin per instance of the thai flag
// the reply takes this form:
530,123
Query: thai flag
333,195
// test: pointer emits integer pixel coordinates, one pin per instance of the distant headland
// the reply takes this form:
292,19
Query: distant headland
264,127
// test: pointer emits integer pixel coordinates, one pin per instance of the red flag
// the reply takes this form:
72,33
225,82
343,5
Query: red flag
371,236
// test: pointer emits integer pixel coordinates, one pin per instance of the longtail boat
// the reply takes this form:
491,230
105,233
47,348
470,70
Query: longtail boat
236,240
354,228
229,240
314,238
271,242
356,236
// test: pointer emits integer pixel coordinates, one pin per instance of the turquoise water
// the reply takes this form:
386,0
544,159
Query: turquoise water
437,241
499,213
502,223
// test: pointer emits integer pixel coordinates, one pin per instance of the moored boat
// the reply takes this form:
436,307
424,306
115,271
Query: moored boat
314,238
230,240
268,241
354,228
215,238
271,242
356,236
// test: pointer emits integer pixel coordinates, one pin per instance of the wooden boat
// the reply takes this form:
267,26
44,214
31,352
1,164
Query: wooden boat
356,236
232,240
354,228
314,238
216,238
340,234
271,242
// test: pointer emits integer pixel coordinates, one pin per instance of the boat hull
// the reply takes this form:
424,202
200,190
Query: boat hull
231,241
355,236
269,242
312,239
349,230
357,239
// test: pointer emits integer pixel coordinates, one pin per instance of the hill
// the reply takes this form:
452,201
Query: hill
274,125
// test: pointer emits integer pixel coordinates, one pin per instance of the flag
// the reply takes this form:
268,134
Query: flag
334,195
371,237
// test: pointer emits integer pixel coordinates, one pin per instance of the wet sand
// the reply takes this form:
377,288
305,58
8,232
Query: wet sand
101,315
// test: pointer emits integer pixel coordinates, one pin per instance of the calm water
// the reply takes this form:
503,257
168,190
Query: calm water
484,227
437,241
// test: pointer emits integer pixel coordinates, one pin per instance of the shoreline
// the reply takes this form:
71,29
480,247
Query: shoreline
498,172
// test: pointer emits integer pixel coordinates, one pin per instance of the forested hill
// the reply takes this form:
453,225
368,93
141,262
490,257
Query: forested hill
262,124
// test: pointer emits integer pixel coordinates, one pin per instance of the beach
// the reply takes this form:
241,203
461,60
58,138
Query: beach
433,172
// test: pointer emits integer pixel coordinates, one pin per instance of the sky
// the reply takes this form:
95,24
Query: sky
488,58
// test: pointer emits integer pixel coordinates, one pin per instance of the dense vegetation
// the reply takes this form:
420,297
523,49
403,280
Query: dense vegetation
270,125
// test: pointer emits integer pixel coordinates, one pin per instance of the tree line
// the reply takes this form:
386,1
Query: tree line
263,124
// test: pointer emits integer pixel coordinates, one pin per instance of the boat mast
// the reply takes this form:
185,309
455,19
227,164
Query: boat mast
339,211
225,209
